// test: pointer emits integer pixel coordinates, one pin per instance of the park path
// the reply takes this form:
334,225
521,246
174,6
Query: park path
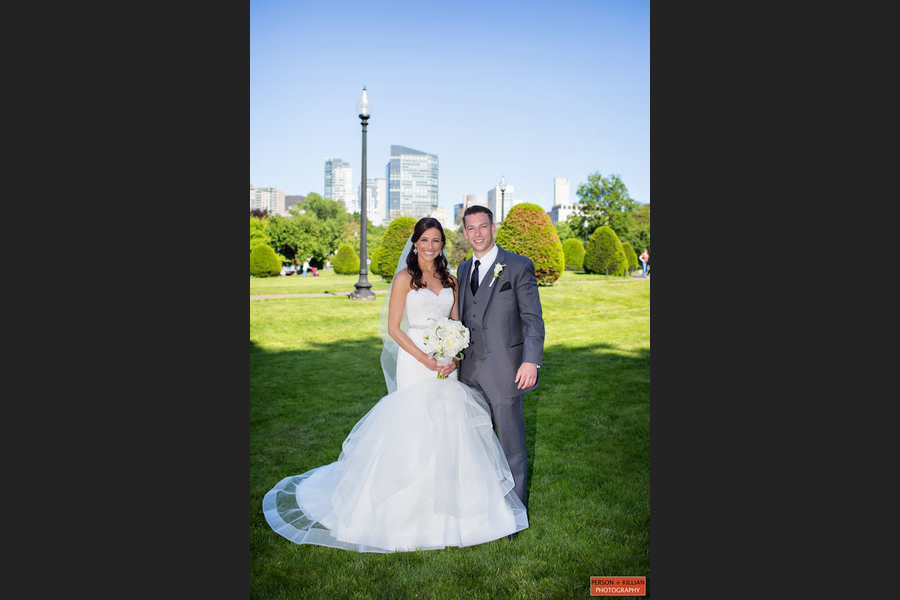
380,292
328,295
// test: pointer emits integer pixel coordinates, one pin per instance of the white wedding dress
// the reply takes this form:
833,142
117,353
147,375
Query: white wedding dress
422,470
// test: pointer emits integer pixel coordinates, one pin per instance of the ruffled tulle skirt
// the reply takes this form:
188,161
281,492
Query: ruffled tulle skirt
422,470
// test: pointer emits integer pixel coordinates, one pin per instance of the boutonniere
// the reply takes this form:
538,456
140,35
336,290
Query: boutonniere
497,274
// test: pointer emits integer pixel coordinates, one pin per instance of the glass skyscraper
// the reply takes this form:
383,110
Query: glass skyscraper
339,182
412,183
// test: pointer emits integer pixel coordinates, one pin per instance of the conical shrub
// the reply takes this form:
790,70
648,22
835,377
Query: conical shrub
346,262
605,254
528,231
264,262
388,253
631,255
574,251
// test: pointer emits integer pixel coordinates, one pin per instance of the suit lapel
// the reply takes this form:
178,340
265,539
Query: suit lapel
462,277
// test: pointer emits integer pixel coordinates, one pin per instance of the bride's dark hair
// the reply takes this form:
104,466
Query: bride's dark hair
412,261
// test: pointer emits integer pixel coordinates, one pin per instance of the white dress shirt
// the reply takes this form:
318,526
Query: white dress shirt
486,263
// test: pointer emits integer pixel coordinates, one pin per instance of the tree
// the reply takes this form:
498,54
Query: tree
260,213
605,253
564,231
298,238
336,224
346,262
527,230
388,253
604,202
323,208
448,247
352,234
264,262
639,236
258,232
574,251
460,249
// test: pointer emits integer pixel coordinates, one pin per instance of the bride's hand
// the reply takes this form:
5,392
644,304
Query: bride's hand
430,363
445,371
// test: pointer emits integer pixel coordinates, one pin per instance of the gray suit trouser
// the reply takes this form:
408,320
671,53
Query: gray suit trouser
508,415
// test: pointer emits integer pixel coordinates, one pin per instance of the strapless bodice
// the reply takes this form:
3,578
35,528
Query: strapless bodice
424,304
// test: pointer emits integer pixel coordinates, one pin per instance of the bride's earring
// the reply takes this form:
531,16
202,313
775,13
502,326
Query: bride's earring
415,251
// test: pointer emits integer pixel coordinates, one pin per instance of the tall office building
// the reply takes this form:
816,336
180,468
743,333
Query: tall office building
412,183
562,208
339,182
501,203
561,190
267,198
561,212
376,190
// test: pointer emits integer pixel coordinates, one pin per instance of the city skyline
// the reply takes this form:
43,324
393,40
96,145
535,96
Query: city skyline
564,94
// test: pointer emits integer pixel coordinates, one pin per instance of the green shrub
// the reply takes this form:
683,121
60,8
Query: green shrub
631,255
264,262
528,231
605,254
346,262
375,267
574,251
388,253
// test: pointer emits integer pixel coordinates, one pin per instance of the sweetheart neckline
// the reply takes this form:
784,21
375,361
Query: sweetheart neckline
438,295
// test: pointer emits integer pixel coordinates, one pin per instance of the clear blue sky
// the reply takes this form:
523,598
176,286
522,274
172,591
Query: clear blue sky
529,90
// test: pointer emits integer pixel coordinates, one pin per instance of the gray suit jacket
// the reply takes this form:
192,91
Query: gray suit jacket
506,323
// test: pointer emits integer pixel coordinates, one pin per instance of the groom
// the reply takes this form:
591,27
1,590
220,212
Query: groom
500,304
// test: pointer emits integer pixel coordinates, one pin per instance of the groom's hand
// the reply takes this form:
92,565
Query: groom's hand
527,375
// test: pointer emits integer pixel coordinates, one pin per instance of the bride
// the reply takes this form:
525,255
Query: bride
423,469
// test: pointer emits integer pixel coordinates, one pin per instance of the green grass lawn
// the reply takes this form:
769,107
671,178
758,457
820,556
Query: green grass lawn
331,282
314,372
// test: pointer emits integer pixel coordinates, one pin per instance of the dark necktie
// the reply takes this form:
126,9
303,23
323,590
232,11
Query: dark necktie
475,277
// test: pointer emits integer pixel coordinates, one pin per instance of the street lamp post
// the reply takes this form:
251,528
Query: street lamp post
363,287
502,198
585,233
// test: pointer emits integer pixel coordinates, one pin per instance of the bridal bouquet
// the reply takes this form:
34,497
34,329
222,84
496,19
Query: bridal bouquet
445,339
